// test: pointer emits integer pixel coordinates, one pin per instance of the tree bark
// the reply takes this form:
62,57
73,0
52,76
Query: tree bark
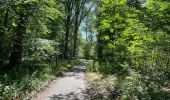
100,47
86,53
2,32
66,37
77,12
68,10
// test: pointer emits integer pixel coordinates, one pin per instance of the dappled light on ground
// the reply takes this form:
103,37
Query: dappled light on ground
70,86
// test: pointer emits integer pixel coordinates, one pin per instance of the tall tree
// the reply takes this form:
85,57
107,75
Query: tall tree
81,11
69,5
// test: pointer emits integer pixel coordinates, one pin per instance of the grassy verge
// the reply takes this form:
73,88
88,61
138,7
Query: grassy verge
98,86
131,86
27,79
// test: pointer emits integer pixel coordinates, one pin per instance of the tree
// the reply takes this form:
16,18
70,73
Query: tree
81,11
69,5
29,12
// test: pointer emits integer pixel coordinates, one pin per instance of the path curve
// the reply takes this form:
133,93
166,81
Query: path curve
69,87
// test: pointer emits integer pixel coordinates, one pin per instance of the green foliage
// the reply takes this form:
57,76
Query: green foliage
131,87
127,39
22,83
133,44
40,50
38,40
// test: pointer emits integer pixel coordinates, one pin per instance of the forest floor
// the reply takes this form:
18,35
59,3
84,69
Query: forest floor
71,86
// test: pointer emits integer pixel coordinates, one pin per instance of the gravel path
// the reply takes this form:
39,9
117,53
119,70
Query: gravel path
69,87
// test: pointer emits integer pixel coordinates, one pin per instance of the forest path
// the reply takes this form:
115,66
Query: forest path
69,87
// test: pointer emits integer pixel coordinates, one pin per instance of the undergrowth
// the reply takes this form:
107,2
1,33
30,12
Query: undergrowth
130,86
27,79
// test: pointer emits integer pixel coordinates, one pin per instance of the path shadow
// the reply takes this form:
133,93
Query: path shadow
81,94
71,96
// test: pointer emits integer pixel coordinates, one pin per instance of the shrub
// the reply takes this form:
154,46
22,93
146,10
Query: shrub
39,50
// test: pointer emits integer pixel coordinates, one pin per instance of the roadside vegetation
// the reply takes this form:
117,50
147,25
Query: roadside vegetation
129,85
20,83
133,44
39,40
128,41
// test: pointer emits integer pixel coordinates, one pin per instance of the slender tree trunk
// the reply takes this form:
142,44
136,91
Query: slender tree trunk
100,48
75,42
86,56
72,46
16,55
66,37
76,28
2,32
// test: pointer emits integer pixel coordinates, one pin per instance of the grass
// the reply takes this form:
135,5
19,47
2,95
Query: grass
25,80
131,86
98,86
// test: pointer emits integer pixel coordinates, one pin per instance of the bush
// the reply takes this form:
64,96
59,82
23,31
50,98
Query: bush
25,80
133,86
40,50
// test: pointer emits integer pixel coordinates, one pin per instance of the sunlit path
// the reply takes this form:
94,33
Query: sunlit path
69,87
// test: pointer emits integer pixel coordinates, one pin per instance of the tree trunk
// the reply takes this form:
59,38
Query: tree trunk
100,48
77,12
16,55
86,54
68,11
66,37
2,32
